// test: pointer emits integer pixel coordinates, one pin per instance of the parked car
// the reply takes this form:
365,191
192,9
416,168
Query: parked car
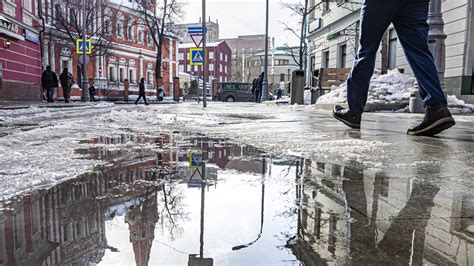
235,92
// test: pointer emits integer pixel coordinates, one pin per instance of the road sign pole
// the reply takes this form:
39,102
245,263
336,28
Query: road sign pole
85,93
265,77
204,64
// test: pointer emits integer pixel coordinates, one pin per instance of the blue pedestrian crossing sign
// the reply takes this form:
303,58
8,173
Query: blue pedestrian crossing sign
197,56
196,159
80,46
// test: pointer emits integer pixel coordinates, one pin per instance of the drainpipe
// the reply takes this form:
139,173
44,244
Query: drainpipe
437,37
43,27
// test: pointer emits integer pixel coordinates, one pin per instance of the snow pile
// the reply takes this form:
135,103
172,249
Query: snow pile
391,88
457,106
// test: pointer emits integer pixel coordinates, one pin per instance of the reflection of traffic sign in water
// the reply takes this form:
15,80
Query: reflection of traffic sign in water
196,159
197,56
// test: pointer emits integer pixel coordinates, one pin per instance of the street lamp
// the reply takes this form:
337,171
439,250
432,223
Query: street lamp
204,72
265,77
262,211
85,93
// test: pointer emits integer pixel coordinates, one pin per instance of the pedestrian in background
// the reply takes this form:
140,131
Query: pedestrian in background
66,83
410,21
49,81
258,89
141,91
92,90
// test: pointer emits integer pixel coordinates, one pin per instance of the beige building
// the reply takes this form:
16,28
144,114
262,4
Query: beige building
242,47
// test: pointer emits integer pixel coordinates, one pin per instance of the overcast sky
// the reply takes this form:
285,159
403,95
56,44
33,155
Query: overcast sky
244,17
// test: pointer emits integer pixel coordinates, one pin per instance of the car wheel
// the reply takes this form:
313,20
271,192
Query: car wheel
230,99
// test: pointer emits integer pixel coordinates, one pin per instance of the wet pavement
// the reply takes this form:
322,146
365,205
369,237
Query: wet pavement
389,199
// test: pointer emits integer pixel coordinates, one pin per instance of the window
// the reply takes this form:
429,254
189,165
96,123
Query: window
181,68
150,38
392,49
141,35
107,26
112,76
222,57
72,16
149,77
27,5
130,33
131,76
121,75
181,56
313,63
211,55
120,29
325,59
282,77
326,6
342,56
211,67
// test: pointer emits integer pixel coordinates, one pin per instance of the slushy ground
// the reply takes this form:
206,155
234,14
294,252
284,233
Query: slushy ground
283,185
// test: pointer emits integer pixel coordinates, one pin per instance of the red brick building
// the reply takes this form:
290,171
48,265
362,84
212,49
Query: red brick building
219,58
129,52
20,53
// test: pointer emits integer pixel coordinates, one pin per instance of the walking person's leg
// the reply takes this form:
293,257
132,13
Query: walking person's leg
138,99
50,94
376,16
412,28
144,98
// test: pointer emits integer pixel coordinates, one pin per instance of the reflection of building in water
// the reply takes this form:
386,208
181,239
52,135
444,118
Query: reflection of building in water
141,224
403,219
65,225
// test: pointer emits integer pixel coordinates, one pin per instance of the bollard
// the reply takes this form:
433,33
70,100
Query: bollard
297,87
176,89
416,103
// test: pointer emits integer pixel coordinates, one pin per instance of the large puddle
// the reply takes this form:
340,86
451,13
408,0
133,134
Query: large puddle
146,205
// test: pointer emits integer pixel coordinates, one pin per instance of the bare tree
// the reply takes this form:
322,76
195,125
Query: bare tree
302,10
68,23
157,17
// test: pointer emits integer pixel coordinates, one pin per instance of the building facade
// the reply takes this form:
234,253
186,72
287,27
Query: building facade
181,30
218,58
20,52
281,64
333,39
243,47
128,54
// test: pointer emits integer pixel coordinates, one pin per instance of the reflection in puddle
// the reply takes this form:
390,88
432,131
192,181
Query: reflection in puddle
145,205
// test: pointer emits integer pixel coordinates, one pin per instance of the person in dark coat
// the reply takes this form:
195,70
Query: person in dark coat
141,91
49,81
258,89
92,90
66,83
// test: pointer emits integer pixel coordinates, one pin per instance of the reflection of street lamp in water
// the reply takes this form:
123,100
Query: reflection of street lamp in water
193,259
264,170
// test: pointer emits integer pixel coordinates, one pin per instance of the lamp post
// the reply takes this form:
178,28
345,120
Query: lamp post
204,63
265,77
437,37
85,93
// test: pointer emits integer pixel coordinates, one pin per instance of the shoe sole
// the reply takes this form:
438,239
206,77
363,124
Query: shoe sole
347,123
435,128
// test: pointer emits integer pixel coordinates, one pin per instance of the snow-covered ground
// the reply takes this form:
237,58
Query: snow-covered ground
392,88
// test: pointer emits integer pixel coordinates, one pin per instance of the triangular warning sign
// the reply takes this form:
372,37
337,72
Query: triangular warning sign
198,57
197,39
